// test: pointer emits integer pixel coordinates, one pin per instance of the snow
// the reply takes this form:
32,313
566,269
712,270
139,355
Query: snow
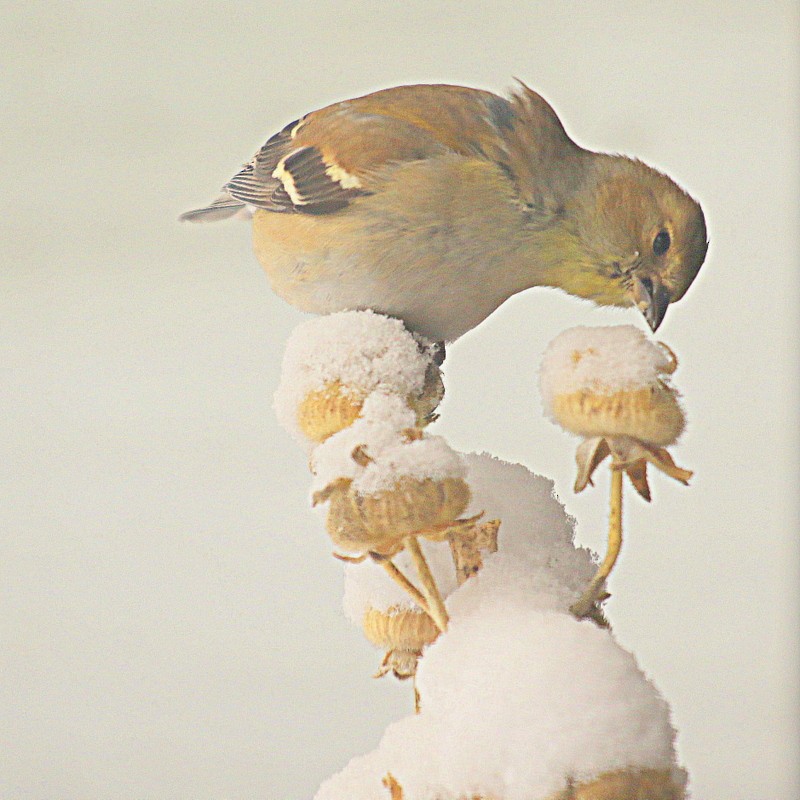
514,702
363,350
517,697
536,555
383,418
388,409
428,457
603,360
380,432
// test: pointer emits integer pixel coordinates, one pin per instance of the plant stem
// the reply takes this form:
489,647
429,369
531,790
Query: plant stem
614,525
586,604
399,578
429,588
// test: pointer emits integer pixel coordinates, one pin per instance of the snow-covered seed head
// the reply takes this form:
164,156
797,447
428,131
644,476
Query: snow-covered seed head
611,382
383,482
333,363
326,411
651,414
378,522
334,407
625,784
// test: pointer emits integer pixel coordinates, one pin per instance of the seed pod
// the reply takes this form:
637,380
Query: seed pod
651,414
399,628
627,784
378,523
326,411
323,412
402,633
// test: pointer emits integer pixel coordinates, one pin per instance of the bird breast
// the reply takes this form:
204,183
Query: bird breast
442,260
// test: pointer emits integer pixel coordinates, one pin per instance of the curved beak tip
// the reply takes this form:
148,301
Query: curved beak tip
652,299
657,308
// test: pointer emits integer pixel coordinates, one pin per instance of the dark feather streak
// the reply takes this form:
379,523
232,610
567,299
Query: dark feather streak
318,191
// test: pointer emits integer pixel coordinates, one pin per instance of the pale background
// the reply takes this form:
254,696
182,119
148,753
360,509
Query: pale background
170,618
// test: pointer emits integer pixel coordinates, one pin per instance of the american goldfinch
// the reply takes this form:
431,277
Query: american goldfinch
437,203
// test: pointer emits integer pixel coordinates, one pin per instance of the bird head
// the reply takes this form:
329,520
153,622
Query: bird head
642,238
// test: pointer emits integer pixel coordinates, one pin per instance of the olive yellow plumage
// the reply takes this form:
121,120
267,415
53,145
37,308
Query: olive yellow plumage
437,203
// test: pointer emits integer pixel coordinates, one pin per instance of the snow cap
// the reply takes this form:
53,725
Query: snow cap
381,434
362,350
602,360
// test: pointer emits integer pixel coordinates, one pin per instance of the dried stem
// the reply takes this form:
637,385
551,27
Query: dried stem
416,594
429,588
586,606
395,789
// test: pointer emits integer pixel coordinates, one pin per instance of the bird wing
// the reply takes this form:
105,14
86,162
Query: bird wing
223,207
320,163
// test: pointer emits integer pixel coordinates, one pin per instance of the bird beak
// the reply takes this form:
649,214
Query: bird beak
652,298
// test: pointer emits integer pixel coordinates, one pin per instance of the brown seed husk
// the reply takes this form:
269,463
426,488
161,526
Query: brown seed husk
326,411
378,523
628,784
399,628
651,414
466,544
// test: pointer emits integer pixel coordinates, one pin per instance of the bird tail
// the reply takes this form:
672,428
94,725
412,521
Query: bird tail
223,207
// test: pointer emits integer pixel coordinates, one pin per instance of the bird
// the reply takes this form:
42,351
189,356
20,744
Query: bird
435,203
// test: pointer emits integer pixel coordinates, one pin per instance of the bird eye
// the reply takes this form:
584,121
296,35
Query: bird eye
661,243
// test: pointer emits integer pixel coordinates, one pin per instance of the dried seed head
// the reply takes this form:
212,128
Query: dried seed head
427,401
611,381
628,784
378,523
323,412
363,351
399,628
651,414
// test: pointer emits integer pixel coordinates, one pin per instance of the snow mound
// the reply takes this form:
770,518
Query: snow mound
515,702
536,556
